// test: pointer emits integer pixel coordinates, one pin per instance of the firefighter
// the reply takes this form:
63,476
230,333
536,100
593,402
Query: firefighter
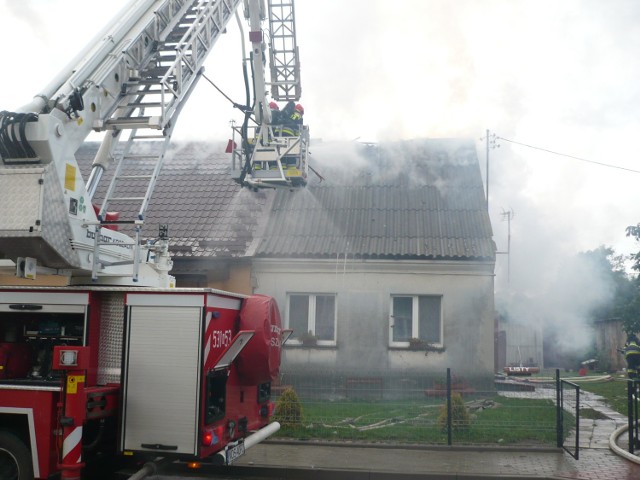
292,121
275,113
632,356
292,124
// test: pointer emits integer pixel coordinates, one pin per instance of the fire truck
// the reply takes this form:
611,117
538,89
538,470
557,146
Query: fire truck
117,362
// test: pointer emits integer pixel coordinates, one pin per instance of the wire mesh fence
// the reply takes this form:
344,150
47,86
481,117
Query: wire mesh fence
443,409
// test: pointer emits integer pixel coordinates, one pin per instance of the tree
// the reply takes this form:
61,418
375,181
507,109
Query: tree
634,231
606,264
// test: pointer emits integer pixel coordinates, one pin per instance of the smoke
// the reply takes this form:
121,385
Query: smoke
29,17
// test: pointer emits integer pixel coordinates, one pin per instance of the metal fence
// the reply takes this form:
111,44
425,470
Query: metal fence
633,390
568,408
444,409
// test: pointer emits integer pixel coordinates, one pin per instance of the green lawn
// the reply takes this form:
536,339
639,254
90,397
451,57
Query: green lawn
613,391
505,421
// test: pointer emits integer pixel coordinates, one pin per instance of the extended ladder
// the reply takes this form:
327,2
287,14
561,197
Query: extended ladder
150,101
284,58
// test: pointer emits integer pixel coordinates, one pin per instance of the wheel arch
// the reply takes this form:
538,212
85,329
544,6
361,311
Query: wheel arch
20,422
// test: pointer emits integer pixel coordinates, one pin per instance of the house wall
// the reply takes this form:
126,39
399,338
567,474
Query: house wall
364,290
239,281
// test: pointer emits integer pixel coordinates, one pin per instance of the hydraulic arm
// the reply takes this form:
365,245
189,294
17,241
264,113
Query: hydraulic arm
131,83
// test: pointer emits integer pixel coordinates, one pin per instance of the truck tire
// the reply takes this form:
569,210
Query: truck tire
15,458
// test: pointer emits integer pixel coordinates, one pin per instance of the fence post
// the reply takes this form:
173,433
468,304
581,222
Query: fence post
630,412
449,409
559,419
635,413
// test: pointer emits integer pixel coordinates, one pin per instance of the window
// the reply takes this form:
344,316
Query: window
314,313
415,316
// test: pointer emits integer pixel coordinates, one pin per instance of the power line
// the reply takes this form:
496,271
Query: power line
570,156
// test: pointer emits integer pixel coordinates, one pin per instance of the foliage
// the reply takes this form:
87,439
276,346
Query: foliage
625,292
288,409
634,231
460,418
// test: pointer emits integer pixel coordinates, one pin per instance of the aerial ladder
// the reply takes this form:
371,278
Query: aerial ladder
268,152
131,83
120,362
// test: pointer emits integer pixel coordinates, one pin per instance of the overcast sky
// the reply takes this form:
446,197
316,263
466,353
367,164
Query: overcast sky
559,75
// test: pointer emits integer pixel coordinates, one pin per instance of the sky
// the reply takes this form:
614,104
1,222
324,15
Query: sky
556,76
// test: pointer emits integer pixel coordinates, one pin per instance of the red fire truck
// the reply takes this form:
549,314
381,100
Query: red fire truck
119,363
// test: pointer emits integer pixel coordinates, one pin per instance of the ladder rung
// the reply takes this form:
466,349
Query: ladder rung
148,137
126,199
145,105
133,177
140,122
137,157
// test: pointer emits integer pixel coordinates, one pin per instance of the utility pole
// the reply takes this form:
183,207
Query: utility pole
490,139
508,215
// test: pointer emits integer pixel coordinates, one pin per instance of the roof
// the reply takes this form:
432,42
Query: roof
404,200
207,213
420,199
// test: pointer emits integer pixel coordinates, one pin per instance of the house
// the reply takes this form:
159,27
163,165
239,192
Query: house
387,260
396,244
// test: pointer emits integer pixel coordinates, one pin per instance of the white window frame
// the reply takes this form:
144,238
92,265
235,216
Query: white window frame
312,317
415,319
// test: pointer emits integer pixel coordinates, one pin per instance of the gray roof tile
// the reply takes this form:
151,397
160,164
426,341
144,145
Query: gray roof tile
421,199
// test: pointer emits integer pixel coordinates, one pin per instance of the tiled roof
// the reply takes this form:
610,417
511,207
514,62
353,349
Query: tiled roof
208,214
413,200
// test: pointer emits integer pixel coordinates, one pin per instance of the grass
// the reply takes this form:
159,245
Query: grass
504,421
613,391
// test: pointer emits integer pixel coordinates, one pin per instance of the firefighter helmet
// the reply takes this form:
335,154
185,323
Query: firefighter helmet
274,106
300,109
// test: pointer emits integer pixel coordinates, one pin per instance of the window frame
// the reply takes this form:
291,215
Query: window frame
311,322
415,319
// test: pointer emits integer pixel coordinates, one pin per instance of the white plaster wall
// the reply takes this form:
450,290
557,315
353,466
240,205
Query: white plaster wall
364,290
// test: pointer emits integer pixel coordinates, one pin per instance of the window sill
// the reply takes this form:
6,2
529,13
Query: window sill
307,347
424,348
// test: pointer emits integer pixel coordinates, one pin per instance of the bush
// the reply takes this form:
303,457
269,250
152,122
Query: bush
460,418
288,409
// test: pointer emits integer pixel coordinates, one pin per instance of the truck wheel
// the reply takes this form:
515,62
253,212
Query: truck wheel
15,458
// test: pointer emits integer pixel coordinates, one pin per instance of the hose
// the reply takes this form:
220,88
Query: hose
613,445
149,468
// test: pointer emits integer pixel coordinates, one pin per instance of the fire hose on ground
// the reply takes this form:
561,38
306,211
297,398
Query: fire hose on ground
613,445
151,468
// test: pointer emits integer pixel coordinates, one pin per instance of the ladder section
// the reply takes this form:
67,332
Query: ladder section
153,96
148,106
129,192
134,177
284,58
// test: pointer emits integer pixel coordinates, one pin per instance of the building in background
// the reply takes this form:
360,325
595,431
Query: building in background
383,267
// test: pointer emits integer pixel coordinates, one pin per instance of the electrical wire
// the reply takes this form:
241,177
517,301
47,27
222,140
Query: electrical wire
568,156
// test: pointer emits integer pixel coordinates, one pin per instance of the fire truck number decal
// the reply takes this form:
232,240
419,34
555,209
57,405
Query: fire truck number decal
221,338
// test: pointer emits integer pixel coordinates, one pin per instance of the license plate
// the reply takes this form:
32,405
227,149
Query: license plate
235,452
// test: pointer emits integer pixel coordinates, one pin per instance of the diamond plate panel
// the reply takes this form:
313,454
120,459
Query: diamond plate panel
111,328
21,202
55,221
34,219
